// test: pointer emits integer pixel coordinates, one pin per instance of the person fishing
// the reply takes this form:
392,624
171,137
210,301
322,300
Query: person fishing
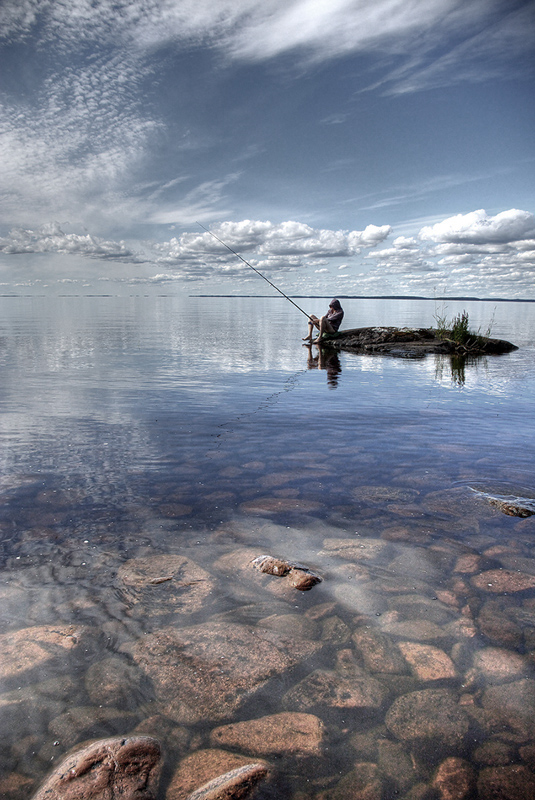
329,323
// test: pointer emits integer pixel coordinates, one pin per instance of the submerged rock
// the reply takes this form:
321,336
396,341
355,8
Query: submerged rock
506,783
234,785
326,688
120,767
285,734
498,581
208,671
379,652
428,663
164,583
455,779
215,775
430,718
34,654
362,783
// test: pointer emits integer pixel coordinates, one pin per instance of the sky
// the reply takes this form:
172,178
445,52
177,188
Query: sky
341,147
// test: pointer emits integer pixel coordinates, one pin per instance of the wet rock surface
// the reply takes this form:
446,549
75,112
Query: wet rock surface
408,671
123,767
298,576
281,734
430,718
208,671
216,775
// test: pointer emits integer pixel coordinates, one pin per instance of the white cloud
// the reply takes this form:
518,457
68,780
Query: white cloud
287,241
478,227
51,239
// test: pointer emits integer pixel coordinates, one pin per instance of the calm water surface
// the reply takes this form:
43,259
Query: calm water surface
139,428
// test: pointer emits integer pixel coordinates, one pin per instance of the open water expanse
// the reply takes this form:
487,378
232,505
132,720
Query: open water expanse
153,447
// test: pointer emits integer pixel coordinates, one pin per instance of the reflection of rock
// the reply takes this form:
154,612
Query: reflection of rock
285,734
205,766
33,654
15,786
207,671
128,768
430,718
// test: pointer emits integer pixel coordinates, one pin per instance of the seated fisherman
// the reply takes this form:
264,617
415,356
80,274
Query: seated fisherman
327,324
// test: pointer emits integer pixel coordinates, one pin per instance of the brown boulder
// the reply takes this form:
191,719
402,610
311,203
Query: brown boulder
498,581
127,768
328,688
430,718
455,780
506,783
512,706
198,771
33,654
428,663
290,734
378,651
207,671
158,584
362,783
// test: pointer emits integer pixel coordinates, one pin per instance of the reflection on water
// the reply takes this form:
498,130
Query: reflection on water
151,449
327,359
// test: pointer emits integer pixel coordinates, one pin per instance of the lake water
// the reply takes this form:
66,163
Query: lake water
147,439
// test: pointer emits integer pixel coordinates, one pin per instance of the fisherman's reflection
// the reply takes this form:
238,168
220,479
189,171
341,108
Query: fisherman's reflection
328,360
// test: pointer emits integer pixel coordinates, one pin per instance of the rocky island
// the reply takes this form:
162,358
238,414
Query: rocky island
413,342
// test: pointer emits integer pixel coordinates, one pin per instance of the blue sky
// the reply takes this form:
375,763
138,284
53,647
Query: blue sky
342,147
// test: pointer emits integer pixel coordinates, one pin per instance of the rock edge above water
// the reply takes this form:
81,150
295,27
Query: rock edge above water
411,343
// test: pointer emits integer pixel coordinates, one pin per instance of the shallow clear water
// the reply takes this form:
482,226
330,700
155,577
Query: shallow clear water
138,428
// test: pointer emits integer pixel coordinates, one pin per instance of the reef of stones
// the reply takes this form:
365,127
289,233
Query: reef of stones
412,343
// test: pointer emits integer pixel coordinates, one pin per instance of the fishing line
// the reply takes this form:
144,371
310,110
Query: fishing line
228,427
255,270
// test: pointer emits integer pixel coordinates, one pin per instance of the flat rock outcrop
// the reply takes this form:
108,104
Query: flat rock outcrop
411,342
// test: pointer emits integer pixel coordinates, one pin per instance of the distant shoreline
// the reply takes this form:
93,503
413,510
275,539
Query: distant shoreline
378,297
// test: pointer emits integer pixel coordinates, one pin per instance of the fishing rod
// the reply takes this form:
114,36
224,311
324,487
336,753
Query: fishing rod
255,270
